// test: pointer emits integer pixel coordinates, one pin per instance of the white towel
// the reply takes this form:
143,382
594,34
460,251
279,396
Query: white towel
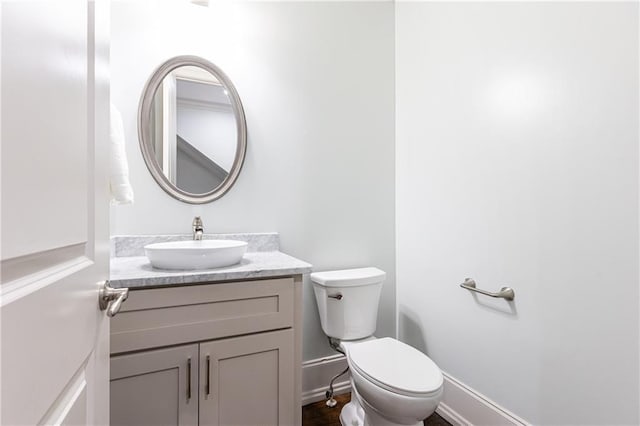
121,191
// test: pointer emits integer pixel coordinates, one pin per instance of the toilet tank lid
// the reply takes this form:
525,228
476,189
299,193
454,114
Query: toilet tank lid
349,277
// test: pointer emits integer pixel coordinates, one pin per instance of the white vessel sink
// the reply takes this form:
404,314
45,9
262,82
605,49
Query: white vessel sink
205,254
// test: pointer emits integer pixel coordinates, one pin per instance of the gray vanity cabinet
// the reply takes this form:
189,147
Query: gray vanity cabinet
156,387
211,354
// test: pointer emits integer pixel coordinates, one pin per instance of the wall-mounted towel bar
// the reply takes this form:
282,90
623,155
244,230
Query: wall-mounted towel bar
505,292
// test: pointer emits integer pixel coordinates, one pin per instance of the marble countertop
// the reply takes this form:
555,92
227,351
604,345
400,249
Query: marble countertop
134,271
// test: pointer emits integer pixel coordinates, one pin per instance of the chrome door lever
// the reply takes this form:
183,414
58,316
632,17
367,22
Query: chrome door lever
111,299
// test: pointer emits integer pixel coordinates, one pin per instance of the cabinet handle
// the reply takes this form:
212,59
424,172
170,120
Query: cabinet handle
208,385
189,379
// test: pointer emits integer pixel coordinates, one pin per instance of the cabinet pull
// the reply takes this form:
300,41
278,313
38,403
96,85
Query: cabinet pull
208,385
189,379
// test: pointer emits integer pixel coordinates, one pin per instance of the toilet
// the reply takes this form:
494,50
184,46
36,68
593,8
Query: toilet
392,383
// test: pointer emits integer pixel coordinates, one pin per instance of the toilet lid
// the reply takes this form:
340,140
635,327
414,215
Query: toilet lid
396,366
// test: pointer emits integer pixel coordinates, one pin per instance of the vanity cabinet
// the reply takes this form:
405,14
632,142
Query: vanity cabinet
209,354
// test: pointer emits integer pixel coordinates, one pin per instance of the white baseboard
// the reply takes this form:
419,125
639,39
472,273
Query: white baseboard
463,406
316,375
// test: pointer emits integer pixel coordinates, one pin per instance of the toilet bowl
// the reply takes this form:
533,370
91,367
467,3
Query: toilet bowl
395,383
392,383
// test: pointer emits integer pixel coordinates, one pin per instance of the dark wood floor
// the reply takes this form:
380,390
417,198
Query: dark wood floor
318,414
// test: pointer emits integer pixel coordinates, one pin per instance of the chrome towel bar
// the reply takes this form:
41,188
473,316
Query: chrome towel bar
505,292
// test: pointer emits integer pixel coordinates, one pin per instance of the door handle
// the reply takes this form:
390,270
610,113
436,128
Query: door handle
111,299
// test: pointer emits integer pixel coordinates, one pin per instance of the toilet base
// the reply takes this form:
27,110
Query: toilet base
352,414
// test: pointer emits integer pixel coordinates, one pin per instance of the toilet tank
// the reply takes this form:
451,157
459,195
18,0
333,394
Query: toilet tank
348,301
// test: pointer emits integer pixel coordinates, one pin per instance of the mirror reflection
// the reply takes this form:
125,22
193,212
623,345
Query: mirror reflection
193,130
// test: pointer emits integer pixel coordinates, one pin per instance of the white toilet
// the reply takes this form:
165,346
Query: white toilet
392,383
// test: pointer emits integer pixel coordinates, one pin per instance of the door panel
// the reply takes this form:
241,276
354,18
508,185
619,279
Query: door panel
71,409
148,399
250,380
54,197
44,126
155,388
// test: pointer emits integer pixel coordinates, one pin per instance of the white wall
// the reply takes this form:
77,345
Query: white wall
317,84
517,164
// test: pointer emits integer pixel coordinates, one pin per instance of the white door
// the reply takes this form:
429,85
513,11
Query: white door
54,127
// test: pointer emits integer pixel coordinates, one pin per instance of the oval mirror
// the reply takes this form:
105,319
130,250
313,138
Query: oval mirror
192,129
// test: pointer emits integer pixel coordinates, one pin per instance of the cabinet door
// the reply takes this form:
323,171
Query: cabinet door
157,387
248,380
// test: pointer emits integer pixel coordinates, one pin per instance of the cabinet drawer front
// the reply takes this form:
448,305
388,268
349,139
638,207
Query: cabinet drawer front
175,315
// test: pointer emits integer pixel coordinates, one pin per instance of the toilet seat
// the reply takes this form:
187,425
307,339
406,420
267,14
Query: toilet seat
396,367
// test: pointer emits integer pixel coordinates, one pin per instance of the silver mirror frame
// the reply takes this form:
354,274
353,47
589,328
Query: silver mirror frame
144,131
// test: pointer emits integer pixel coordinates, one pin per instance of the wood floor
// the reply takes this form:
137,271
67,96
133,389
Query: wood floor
318,414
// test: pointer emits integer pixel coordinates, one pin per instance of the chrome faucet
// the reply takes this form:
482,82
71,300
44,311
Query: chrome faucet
198,228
